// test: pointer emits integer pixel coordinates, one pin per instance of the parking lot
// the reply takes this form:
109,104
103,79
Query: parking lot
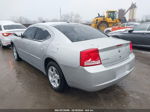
22,86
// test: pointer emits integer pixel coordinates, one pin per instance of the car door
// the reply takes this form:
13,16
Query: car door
24,42
130,36
137,36
147,37
38,46
140,32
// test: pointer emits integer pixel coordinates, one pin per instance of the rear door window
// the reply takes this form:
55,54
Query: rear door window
41,34
30,33
142,27
77,32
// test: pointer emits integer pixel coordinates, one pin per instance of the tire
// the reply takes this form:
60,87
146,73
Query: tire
56,77
15,53
102,26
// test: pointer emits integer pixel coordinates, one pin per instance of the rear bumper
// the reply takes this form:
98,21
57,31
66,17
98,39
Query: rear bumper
6,42
103,85
98,77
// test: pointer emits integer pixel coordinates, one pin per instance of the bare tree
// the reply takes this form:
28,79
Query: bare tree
77,18
54,20
71,18
146,18
22,20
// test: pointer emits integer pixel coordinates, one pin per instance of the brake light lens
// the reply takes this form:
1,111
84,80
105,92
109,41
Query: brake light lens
90,57
131,48
6,34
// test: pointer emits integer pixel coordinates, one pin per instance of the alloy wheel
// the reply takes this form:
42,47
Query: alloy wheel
54,77
14,52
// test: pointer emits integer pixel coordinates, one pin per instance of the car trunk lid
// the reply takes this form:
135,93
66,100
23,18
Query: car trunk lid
17,31
111,50
114,54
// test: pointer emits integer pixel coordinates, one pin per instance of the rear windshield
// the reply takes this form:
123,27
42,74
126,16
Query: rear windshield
77,32
11,27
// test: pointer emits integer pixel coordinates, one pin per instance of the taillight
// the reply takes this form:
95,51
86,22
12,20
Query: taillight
6,34
131,48
90,57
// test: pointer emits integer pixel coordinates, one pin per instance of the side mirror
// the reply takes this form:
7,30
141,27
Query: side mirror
18,35
15,34
130,31
22,36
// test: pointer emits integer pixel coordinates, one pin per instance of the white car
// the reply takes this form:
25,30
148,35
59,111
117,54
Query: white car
75,55
121,27
7,29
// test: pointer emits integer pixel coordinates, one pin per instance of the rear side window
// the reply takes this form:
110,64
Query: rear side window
41,34
0,28
30,33
142,27
132,25
78,32
11,27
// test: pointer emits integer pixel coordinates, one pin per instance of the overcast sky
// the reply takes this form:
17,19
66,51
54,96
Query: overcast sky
87,9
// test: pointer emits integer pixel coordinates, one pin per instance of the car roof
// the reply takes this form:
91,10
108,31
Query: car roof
55,23
52,23
7,23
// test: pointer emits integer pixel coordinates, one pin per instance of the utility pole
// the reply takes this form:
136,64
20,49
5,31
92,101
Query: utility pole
60,14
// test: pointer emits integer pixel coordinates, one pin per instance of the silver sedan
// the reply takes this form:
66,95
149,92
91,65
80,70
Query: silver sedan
74,55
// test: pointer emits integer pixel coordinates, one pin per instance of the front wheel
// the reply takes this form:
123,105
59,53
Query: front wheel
102,26
15,54
56,77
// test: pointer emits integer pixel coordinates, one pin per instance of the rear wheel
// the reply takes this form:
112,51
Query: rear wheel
15,54
102,26
56,77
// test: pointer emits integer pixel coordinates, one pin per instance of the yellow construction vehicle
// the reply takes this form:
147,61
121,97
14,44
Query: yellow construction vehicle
108,20
112,17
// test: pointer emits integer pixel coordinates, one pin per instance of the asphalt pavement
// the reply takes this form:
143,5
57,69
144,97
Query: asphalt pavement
23,87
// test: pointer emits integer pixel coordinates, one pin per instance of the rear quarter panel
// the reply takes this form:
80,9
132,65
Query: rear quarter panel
62,51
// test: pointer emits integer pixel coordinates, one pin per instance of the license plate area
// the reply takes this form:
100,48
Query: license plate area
114,55
121,72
